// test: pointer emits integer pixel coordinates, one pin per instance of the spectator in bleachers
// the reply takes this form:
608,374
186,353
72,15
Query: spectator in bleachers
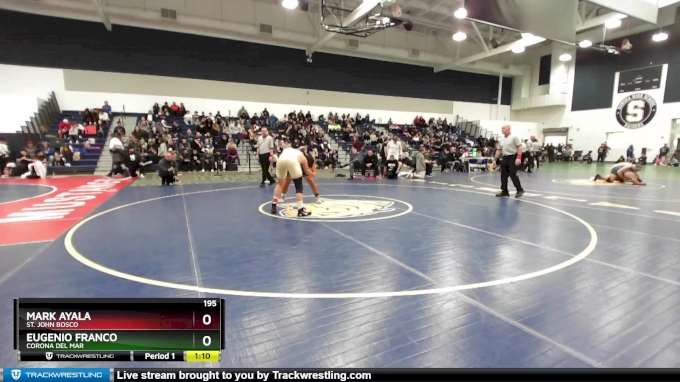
243,113
195,160
119,129
162,147
328,159
235,132
31,149
232,154
21,164
64,127
73,134
165,109
65,156
185,160
207,158
188,118
107,107
104,118
48,153
137,133
89,117
174,110
357,143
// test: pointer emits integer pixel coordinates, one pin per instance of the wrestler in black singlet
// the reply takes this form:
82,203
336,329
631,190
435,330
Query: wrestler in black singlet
310,162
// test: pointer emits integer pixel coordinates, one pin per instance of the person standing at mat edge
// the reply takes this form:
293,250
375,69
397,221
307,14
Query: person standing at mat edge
509,151
265,153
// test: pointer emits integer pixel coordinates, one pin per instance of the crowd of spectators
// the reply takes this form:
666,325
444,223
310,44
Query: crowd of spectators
34,160
200,142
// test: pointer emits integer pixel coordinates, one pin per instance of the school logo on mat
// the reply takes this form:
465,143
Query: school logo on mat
345,208
636,111
341,209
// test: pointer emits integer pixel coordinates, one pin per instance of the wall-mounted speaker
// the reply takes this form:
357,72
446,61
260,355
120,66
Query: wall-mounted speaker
304,5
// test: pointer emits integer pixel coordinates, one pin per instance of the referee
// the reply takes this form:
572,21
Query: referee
510,153
265,151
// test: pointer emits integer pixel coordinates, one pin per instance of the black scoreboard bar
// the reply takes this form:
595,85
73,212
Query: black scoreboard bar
640,79
394,375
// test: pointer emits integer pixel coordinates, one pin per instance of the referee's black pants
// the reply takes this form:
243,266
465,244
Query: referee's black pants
264,163
532,160
509,170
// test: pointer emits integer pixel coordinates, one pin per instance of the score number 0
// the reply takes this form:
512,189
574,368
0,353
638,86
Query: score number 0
207,320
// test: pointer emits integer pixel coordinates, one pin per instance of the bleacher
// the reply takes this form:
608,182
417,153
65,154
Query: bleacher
337,135
244,148
88,157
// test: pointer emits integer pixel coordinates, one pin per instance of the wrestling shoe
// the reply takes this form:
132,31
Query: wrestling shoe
274,210
303,212
503,194
318,200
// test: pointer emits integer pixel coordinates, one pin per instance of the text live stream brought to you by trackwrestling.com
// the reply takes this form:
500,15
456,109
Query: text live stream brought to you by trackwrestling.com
342,375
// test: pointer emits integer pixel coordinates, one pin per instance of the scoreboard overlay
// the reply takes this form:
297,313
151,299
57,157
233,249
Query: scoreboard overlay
179,329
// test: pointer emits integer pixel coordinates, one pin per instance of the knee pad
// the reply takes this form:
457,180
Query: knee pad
298,185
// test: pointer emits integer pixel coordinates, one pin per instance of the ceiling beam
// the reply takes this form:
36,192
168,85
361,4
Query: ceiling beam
353,17
474,57
599,20
479,36
527,40
102,15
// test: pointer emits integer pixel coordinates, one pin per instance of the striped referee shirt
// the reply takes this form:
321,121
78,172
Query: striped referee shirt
265,144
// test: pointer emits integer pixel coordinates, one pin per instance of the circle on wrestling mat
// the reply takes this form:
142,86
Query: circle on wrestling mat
588,182
342,209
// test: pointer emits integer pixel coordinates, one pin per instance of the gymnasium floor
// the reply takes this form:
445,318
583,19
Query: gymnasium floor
388,273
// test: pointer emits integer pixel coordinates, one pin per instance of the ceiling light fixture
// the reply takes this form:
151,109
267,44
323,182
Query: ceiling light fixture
565,57
460,13
518,48
290,4
661,36
459,36
613,23
585,44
